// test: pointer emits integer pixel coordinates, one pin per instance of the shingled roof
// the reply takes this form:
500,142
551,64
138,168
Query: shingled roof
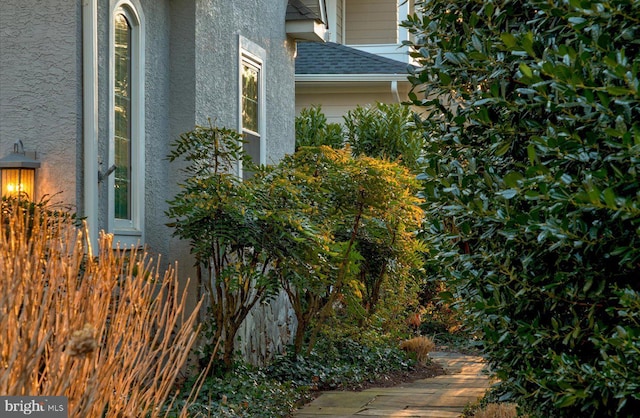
334,58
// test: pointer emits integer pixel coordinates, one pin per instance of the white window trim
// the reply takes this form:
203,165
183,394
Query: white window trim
255,55
129,232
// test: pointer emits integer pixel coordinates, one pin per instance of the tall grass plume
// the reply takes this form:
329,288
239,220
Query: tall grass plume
421,346
497,410
109,331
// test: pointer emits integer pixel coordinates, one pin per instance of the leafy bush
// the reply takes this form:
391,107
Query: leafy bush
323,225
384,131
242,391
277,389
110,333
240,232
313,130
367,210
339,362
532,115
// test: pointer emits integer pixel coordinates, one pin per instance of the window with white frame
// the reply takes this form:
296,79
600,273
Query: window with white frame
126,126
252,109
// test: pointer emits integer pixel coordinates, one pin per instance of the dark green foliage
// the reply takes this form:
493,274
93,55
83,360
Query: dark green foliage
274,391
364,207
241,232
243,391
533,124
339,364
313,130
384,131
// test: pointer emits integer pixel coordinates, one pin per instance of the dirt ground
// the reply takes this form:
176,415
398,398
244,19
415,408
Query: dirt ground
396,378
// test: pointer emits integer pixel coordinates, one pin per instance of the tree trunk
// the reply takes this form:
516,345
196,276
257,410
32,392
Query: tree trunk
229,345
342,272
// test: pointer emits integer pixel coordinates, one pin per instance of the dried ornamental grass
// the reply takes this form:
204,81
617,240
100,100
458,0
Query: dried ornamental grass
498,410
109,332
421,346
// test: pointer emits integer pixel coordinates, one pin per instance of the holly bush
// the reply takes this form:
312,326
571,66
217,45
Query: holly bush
531,113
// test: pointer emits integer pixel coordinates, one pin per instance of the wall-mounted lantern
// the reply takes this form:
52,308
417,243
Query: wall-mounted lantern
18,173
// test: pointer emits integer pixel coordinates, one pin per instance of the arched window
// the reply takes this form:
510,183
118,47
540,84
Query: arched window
126,126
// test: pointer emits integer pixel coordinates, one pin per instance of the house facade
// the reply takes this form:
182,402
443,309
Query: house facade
99,89
362,62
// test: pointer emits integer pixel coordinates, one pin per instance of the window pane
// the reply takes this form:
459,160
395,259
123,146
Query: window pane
122,122
249,97
252,147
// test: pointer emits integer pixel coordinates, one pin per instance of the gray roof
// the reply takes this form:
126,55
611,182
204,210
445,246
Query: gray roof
333,58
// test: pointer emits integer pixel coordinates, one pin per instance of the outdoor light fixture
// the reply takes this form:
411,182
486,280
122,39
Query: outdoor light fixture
18,173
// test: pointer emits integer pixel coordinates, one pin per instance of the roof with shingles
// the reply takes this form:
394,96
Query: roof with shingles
334,58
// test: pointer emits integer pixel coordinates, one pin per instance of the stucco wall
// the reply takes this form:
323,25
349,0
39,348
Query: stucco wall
169,111
157,125
191,74
218,24
192,57
40,97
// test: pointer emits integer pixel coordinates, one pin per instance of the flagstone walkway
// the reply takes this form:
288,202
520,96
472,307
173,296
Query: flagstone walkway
437,397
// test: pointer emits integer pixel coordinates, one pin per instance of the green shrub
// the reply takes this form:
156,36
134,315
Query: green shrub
384,131
339,362
366,215
532,114
240,232
313,130
243,391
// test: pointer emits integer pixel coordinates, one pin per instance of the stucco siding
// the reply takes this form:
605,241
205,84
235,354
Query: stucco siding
191,74
218,25
40,98
157,124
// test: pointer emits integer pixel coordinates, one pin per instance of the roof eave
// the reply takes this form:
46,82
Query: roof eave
306,30
350,77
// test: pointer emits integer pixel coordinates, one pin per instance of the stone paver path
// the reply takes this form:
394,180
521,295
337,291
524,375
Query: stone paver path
438,397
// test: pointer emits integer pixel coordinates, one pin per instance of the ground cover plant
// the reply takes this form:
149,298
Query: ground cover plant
107,330
339,361
532,118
